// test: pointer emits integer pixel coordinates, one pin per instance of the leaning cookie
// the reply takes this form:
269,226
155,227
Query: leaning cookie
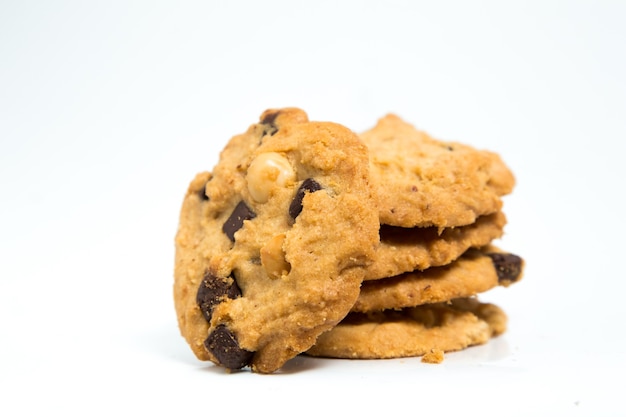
272,248
477,271
413,331
421,181
408,249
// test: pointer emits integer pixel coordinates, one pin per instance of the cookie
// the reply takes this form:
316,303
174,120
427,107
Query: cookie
476,271
415,331
423,182
272,245
409,249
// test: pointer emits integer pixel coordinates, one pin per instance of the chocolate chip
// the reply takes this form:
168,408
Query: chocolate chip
223,344
309,185
213,290
270,117
268,120
508,266
241,213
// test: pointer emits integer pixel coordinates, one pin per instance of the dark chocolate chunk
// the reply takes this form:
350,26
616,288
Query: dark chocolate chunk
309,185
235,221
213,290
508,266
270,117
269,120
223,344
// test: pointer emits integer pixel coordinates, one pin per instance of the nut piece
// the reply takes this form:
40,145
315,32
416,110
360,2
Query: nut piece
266,171
273,257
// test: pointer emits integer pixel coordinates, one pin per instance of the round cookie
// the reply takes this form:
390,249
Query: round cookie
272,246
476,271
412,331
409,249
421,181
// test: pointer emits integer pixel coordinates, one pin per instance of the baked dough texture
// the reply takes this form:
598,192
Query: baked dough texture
419,248
421,181
476,271
416,331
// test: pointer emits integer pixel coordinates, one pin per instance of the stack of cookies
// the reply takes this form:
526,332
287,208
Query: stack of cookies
308,238
439,207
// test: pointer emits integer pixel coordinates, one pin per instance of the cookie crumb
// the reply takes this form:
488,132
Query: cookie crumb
434,356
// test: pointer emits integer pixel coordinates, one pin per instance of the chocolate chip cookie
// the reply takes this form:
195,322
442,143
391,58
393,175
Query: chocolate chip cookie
476,271
415,331
273,244
418,248
421,181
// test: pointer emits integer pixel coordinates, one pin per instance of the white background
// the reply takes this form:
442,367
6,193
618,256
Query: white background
108,109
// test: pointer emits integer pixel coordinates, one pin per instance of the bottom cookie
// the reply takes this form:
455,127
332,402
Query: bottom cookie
417,331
